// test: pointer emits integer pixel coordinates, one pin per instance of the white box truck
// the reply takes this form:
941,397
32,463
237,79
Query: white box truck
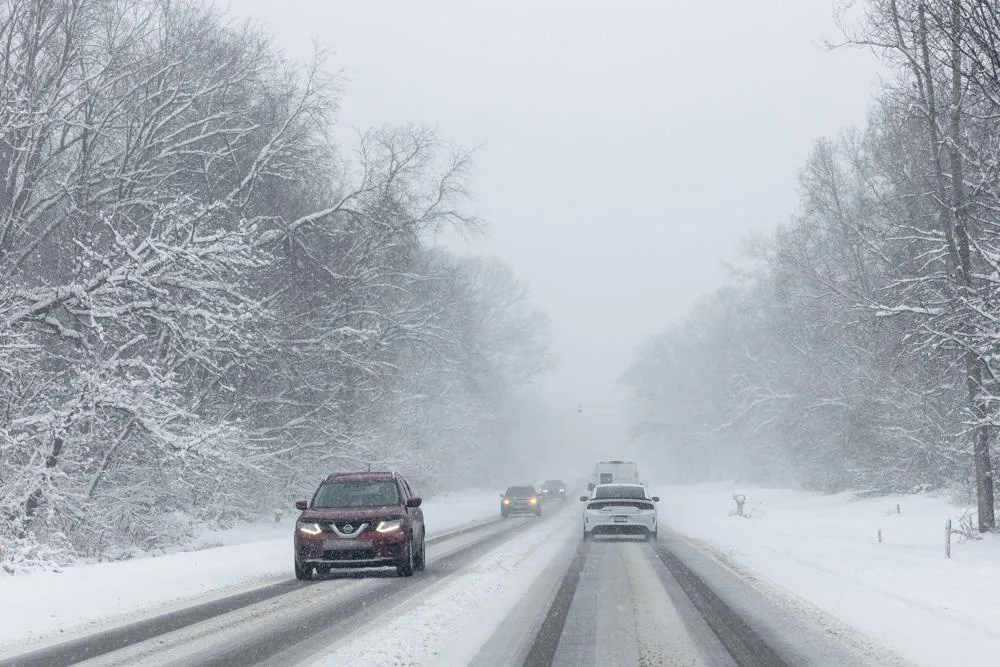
615,472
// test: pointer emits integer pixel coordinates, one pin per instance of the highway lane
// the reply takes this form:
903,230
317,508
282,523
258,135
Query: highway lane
626,601
608,601
622,613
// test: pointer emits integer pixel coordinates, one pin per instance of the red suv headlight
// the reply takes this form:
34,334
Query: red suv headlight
309,527
389,526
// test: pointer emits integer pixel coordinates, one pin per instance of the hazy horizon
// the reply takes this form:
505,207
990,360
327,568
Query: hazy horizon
624,155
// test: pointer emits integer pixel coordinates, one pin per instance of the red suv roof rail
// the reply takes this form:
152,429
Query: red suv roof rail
374,474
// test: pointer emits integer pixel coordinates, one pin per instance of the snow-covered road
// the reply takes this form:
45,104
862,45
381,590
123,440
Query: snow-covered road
456,616
523,591
622,614
85,599
282,629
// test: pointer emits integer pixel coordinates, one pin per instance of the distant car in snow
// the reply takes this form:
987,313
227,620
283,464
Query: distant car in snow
554,488
520,500
619,509
362,519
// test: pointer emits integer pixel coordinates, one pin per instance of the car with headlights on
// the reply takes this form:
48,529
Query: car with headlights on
554,488
619,509
520,500
360,519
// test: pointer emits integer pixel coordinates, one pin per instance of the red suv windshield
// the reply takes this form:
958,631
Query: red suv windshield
356,494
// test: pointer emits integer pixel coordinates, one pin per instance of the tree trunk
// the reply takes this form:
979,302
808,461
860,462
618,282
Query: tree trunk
981,446
35,497
965,279
952,198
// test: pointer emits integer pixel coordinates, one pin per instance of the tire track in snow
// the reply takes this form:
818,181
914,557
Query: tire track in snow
543,649
622,612
457,615
743,644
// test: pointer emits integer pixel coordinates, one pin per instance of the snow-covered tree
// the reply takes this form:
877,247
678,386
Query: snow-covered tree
201,301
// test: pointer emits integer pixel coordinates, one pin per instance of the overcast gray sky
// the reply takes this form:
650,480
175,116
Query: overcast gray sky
628,146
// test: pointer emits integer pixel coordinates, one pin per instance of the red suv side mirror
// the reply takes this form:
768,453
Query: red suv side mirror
301,504
414,502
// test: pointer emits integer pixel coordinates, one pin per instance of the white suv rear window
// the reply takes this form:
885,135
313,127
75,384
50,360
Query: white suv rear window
622,492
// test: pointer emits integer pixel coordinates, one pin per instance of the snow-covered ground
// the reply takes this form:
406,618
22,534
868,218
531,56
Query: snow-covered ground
901,591
44,604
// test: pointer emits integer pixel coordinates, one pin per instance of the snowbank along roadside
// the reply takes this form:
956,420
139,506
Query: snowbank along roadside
825,549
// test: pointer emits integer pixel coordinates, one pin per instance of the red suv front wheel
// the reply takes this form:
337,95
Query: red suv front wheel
405,566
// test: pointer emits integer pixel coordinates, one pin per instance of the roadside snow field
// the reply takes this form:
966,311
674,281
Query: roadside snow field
46,605
902,592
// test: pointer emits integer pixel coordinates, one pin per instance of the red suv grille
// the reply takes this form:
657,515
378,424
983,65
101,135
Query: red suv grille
342,526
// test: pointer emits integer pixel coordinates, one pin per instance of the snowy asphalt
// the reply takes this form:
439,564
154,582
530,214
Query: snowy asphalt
516,592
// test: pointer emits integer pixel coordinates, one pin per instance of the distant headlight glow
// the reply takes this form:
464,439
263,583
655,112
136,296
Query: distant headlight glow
533,501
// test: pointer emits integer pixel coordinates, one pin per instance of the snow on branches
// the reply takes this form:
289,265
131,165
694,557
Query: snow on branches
201,303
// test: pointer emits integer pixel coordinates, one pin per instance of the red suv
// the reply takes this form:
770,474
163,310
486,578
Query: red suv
360,519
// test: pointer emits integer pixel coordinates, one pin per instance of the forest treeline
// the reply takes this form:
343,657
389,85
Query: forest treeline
206,304
860,351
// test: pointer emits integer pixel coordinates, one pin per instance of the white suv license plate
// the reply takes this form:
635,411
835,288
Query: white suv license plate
621,519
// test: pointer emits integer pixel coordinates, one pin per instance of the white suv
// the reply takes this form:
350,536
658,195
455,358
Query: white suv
619,509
